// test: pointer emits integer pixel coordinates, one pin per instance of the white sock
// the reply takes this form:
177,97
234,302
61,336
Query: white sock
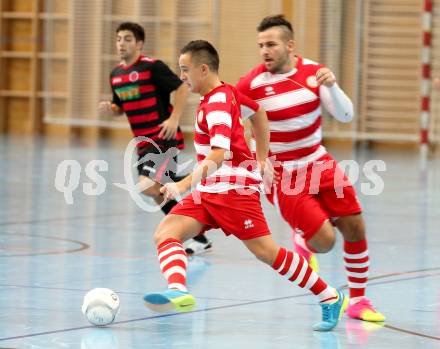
354,300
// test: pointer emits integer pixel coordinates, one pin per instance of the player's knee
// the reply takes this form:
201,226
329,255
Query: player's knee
323,241
160,235
352,227
326,245
157,237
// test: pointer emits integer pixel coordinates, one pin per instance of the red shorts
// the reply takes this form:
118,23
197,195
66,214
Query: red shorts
307,200
239,215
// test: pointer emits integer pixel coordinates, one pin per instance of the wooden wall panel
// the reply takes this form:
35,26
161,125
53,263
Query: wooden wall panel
307,26
59,41
390,48
55,6
338,52
19,35
57,108
18,61
55,54
17,110
17,74
237,40
18,5
57,81
3,116
391,63
434,124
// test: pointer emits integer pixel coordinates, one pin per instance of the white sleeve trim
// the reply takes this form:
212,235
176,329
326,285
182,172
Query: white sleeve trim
217,118
219,97
336,102
221,142
246,112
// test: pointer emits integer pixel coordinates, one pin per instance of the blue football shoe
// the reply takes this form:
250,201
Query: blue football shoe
169,300
332,313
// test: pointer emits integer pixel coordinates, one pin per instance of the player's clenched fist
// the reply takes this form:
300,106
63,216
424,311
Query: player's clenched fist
325,76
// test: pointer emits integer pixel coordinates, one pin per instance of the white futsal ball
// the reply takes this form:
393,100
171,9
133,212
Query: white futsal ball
100,306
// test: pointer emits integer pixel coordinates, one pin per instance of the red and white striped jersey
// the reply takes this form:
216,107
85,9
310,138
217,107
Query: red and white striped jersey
218,124
292,103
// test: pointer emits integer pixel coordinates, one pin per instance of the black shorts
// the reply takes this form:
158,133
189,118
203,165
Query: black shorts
160,166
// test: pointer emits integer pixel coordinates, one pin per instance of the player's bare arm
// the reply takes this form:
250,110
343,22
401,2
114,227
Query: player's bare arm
208,166
260,128
169,126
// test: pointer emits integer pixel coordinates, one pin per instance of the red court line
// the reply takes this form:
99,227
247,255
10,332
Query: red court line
83,246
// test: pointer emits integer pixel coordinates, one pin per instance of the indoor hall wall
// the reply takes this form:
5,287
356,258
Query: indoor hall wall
350,39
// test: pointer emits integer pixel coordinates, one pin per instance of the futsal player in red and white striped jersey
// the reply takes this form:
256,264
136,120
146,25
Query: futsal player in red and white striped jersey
292,90
226,196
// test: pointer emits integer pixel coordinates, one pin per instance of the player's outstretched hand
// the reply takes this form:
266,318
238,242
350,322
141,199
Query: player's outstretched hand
270,175
170,191
168,128
325,76
107,108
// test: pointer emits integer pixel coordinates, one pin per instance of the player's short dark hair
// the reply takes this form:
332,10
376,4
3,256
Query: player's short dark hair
277,21
137,30
203,52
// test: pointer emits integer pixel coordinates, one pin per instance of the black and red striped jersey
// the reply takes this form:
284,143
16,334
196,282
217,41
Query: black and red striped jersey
143,90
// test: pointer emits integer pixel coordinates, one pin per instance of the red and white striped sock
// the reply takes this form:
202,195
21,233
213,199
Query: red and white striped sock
173,262
296,269
356,263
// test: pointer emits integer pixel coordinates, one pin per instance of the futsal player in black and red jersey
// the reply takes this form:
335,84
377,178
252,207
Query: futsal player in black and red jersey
141,89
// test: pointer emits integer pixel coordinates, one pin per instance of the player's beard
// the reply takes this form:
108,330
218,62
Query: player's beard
280,63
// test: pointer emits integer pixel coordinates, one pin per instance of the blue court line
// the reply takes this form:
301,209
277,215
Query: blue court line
249,303
9,286
235,299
